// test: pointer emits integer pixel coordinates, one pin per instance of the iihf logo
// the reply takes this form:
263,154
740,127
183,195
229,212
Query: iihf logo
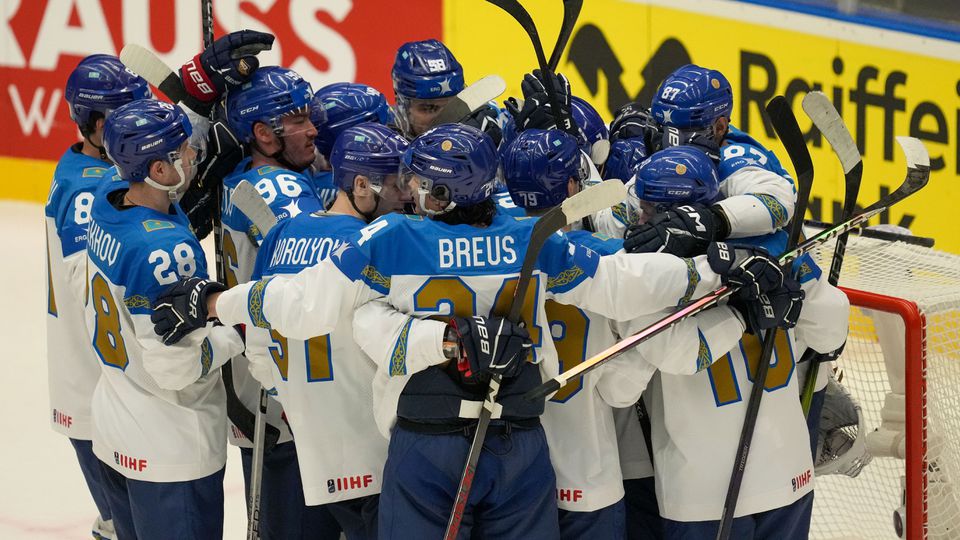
349,482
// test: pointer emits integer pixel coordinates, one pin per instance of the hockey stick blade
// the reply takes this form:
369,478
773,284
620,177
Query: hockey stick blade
821,110
573,209
146,64
571,12
249,201
470,99
827,119
918,173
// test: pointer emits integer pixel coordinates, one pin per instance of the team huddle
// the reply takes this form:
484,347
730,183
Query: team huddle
374,312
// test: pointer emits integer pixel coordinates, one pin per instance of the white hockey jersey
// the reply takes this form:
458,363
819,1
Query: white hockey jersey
159,411
425,268
288,194
72,369
324,382
697,419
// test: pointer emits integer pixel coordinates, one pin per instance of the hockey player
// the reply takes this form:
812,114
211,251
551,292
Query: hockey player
270,115
541,171
425,76
159,426
336,107
693,105
98,85
625,158
328,376
775,499
429,267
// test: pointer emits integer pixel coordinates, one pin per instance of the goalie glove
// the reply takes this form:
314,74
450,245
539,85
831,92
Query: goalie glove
181,308
490,345
536,112
228,62
684,231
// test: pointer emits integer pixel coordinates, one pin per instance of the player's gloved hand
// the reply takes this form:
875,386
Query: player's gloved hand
684,231
182,308
199,202
485,119
536,112
633,120
490,345
750,268
229,61
778,308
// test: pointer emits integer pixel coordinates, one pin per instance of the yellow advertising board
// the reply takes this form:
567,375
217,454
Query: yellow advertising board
885,83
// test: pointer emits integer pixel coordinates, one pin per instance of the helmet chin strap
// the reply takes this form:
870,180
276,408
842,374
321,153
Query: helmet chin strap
172,191
367,216
423,204
87,132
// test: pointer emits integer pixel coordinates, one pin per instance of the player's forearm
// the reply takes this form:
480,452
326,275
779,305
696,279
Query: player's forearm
398,343
176,367
824,318
627,286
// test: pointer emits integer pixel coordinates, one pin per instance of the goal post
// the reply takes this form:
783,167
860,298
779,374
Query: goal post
902,365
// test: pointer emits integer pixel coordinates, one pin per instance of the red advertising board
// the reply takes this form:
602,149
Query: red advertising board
324,40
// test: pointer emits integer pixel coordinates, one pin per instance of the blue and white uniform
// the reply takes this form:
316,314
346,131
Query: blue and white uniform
758,193
710,406
326,378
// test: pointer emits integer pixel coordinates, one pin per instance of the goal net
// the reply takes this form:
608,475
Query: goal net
902,364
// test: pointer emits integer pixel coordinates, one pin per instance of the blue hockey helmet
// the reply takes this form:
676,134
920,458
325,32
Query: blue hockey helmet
369,149
538,165
692,97
677,175
626,156
142,132
271,93
589,121
426,70
342,105
100,84
453,163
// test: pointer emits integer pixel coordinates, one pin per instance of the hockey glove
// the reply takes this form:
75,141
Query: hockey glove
633,120
490,345
229,61
181,308
777,308
536,112
750,268
485,119
223,154
684,231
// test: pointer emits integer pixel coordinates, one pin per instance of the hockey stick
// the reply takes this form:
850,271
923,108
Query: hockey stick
828,121
571,11
787,129
249,201
521,15
918,173
585,203
922,241
146,64
470,99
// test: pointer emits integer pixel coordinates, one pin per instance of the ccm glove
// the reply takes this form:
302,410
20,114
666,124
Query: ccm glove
485,119
537,111
490,345
182,308
752,269
684,231
228,62
777,308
